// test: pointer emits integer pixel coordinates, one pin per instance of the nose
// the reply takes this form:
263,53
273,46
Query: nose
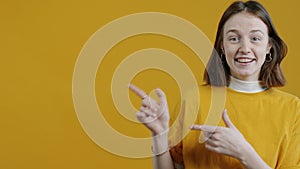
245,47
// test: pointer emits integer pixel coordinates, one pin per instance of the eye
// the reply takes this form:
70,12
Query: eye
255,39
233,39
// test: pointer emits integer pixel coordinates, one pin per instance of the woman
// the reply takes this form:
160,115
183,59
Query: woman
262,127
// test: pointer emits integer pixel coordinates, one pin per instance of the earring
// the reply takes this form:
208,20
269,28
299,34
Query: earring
269,57
222,56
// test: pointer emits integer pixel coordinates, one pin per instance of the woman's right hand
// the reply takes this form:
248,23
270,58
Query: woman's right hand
154,115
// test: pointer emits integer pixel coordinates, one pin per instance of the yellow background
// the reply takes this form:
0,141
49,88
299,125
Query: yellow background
40,42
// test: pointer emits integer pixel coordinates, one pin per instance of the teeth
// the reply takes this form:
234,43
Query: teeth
244,60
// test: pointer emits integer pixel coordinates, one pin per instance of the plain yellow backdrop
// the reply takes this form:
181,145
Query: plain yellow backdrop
40,42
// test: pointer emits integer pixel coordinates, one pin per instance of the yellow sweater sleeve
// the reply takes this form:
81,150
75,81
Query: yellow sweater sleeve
292,157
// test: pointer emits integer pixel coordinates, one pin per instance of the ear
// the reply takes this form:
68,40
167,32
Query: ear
222,47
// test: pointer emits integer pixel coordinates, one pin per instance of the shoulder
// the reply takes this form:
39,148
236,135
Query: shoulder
286,100
282,96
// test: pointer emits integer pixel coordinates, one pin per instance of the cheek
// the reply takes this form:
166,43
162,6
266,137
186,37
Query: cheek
262,59
229,53
261,55
229,50
229,61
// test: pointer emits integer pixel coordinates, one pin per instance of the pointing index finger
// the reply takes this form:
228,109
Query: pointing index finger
205,128
139,92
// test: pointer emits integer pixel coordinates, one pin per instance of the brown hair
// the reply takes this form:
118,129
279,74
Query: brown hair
217,71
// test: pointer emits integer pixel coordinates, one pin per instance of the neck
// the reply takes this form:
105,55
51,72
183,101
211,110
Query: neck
245,86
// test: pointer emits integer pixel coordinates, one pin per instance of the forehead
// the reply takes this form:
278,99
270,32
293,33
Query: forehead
245,22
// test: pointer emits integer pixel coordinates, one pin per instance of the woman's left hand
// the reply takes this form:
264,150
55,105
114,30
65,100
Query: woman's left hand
225,140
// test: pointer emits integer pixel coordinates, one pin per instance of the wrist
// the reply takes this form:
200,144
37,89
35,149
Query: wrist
251,160
160,143
160,130
246,154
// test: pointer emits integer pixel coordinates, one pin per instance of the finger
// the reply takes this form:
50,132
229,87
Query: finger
162,99
143,118
195,127
212,148
205,128
209,135
147,111
161,95
227,120
150,103
210,141
214,137
140,116
139,92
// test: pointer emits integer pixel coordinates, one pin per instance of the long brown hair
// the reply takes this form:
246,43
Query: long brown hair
217,71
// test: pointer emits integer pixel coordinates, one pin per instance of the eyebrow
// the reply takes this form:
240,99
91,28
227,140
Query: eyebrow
252,31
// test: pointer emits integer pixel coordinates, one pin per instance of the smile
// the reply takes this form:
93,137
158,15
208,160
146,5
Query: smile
244,60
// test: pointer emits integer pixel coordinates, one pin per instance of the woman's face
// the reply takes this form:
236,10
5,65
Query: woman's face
245,45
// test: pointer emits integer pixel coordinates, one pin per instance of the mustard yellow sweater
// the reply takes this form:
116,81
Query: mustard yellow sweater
269,120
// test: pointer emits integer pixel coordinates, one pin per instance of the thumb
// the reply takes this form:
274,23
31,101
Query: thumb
227,120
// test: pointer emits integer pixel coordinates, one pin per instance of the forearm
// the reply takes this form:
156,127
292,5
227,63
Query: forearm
163,161
161,156
251,160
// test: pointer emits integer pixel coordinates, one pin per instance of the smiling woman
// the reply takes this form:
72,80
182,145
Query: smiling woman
250,43
261,125
245,45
